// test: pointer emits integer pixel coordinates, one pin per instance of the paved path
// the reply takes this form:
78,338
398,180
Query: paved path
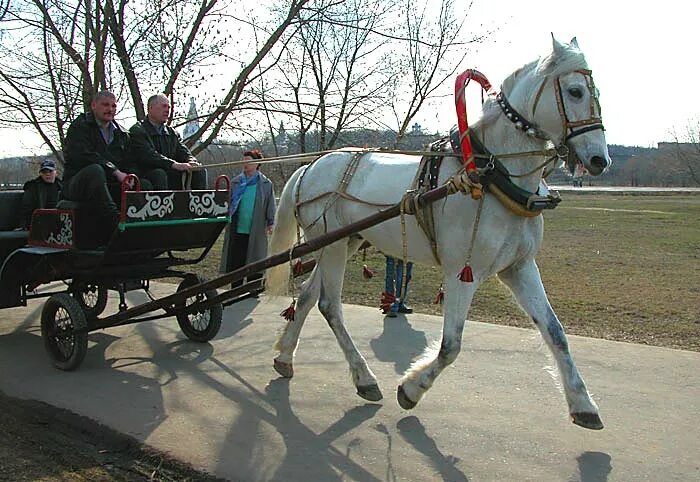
496,414
626,189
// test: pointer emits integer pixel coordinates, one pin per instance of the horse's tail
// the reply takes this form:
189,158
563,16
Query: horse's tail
284,235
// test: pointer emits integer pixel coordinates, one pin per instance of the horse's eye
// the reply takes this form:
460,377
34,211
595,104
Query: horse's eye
575,92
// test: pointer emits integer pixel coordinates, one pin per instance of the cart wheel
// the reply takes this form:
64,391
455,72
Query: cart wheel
62,313
200,326
91,298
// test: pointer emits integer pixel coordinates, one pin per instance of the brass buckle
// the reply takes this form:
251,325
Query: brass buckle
537,203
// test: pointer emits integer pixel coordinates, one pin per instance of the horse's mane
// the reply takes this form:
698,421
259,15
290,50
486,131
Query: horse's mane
565,58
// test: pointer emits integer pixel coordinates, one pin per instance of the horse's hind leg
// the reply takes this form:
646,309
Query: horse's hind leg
525,283
332,271
289,338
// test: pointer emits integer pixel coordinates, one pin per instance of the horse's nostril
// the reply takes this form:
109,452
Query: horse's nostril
599,162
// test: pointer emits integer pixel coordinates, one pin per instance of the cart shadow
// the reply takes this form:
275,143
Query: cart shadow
31,322
95,390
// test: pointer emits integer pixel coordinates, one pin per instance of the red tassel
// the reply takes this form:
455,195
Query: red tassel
366,272
440,296
290,311
386,302
298,268
466,274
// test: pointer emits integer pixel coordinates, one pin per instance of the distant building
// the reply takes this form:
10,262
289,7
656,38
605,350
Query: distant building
282,139
192,124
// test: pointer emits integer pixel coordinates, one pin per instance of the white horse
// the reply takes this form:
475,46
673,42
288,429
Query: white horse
557,96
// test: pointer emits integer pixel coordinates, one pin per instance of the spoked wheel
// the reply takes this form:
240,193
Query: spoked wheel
61,314
91,298
203,325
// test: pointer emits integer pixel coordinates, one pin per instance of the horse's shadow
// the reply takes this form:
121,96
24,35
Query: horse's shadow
399,342
302,443
413,432
594,466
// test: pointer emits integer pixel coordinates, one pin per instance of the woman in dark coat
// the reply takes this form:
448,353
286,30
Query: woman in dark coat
252,211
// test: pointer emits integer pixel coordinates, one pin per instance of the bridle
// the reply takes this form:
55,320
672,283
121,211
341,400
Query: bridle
490,172
571,128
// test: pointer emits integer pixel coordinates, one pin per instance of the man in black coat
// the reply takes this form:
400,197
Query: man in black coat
98,157
157,145
40,192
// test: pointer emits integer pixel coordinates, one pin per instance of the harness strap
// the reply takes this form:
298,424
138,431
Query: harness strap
495,178
427,178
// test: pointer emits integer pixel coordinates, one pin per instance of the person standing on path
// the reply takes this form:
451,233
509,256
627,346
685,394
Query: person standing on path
252,211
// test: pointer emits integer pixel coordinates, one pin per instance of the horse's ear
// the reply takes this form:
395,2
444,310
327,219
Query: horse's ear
556,46
574,43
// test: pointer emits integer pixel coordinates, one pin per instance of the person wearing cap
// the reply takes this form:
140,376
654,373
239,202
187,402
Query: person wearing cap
157,145
98,157
40,192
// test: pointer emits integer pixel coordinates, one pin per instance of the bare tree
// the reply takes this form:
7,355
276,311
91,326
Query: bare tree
334,73
55,55
687,150
434,50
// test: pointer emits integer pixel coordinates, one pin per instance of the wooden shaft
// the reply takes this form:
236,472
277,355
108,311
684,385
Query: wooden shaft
169,302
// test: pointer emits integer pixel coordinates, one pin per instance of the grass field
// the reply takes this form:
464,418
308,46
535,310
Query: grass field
623,268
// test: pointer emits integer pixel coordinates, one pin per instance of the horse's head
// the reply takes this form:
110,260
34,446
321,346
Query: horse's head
561,102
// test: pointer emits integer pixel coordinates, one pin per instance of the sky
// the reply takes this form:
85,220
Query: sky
642,55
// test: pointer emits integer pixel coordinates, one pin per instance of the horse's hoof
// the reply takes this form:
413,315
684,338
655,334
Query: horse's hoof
370,392
405,402
587,420
284,369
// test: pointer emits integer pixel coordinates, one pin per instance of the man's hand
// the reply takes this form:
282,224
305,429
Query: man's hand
181,166
269,229
121,176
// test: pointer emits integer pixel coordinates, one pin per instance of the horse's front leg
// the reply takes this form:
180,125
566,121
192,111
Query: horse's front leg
422,373
524,281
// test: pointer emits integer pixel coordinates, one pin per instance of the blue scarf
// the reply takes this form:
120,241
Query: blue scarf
243,183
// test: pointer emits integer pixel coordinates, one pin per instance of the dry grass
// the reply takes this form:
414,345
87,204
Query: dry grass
623,268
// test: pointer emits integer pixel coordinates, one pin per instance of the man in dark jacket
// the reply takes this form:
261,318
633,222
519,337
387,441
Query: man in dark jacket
40,192
98,157
157,145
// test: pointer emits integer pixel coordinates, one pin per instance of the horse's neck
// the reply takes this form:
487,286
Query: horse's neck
500,137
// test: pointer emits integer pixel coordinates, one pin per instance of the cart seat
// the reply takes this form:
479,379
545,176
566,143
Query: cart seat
10,209
91,230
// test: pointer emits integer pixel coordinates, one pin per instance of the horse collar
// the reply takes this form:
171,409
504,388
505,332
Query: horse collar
495,178
521,123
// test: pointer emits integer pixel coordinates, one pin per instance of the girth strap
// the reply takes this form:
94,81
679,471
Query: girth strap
427,179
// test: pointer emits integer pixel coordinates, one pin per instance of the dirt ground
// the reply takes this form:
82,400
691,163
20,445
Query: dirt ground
39,442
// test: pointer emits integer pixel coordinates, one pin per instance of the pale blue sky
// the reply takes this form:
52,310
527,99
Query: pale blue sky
642,55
